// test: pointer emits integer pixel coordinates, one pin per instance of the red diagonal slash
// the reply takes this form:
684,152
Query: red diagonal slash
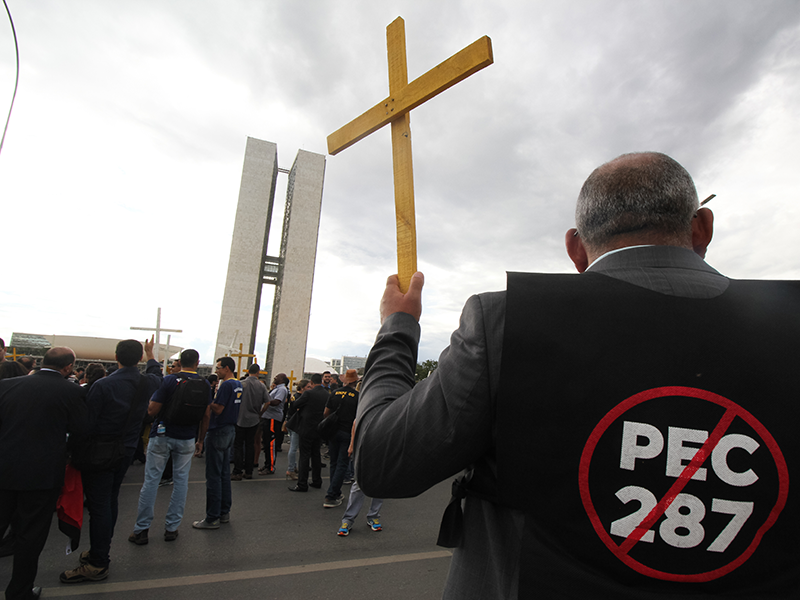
699,458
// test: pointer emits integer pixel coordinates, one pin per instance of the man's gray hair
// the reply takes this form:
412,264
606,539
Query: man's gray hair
641,192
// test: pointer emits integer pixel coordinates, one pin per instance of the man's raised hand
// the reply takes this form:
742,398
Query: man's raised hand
396,301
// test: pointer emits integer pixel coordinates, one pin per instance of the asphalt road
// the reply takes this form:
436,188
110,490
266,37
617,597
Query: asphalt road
279,544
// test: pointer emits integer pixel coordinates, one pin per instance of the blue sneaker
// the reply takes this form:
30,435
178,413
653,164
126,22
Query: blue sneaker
344,529
374,524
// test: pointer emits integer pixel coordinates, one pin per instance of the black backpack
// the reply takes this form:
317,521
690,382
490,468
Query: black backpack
188,402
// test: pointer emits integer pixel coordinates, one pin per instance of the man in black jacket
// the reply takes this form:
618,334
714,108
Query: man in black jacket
310,405
111,412
36,413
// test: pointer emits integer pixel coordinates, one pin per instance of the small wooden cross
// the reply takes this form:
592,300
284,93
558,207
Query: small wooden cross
14,354
239,358
292,379
395,109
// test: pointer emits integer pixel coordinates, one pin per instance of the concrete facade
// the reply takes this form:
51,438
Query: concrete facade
291,310
242,298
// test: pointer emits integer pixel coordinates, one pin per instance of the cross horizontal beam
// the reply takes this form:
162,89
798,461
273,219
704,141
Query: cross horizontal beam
461,65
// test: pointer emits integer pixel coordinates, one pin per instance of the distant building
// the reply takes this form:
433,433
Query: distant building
86,348
340,365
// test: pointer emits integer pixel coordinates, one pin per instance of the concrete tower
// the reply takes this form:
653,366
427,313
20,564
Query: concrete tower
292,273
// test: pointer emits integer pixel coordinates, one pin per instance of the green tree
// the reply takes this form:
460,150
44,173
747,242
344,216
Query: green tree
425,368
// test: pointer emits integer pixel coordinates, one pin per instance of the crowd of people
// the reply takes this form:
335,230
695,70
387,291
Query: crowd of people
112,418
651,379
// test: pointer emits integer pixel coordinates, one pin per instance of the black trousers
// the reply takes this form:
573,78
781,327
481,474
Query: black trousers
30,513
244,449
309,451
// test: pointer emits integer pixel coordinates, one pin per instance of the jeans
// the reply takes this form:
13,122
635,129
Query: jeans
217,446
294,444
102,493
243,449
159,450
356,501
337,448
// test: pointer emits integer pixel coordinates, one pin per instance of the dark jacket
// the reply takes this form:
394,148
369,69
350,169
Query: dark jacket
311,405
36,413
109,402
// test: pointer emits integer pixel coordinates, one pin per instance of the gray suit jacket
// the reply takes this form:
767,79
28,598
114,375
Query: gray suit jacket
411,438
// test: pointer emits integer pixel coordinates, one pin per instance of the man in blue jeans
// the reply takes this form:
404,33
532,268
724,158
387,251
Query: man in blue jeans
168,440
220,423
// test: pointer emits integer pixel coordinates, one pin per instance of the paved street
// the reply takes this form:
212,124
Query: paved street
279,544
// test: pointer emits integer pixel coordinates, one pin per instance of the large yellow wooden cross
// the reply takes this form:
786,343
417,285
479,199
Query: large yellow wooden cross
395,109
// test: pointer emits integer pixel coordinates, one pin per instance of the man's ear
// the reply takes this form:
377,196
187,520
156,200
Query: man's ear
702,231
576,250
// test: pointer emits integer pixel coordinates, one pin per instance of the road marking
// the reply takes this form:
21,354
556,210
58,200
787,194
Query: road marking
127,586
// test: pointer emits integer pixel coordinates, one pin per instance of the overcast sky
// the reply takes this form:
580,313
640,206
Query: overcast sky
121,167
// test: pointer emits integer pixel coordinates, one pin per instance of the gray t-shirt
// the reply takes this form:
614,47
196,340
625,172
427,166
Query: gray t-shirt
253,397
280,392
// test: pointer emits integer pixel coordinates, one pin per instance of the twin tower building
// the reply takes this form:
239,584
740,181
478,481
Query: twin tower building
292,272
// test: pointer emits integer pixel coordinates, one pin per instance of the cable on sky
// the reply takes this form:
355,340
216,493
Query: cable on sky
16,81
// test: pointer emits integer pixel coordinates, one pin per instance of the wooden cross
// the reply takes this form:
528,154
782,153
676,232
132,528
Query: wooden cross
158,329
292,379
14,354
395,109
239,358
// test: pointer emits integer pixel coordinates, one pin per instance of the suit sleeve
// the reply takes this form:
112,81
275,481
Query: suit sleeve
411,438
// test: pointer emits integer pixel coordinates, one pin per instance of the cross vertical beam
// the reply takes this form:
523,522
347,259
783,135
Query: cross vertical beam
402,163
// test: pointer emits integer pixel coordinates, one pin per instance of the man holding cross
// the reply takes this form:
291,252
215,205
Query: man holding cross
649,457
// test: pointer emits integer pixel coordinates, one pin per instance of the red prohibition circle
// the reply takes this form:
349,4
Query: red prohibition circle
731,407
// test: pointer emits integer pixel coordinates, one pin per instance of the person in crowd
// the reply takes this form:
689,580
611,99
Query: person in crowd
36,414
93,373
651,379
356,501
116,406
254,396
294,437
327,378
29,362
12,368
216,436
344,402
170,438
271,418
311,406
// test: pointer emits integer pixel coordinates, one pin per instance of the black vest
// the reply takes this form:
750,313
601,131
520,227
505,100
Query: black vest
652,446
